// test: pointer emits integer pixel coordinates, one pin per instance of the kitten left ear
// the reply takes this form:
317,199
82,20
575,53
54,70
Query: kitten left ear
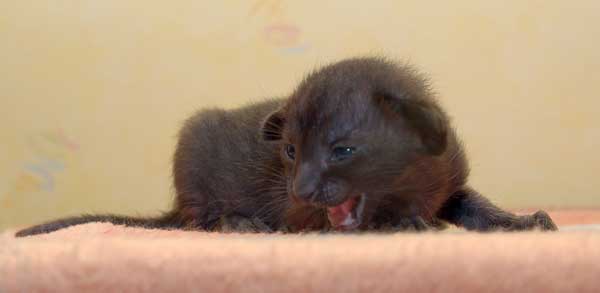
425,117
272,126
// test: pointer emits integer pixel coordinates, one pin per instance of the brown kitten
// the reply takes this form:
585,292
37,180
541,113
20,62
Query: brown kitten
361,144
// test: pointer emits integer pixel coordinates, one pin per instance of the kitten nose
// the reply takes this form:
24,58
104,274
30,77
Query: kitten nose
306,183
305,193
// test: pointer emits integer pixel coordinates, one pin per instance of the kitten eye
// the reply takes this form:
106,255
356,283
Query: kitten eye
342,153
290,151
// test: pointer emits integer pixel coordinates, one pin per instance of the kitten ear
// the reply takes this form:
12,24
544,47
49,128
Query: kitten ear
425,116
272,126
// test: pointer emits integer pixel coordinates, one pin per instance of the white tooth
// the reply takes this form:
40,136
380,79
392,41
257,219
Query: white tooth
349,220
353,216
361,205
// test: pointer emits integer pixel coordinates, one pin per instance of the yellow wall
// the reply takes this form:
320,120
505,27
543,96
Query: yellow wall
92,93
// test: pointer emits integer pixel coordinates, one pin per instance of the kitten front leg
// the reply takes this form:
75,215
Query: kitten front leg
239,224
414,223
402,223
467,208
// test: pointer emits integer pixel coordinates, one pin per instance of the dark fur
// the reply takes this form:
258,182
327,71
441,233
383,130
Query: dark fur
232,174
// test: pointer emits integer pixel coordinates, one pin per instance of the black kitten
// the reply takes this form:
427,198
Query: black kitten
361,144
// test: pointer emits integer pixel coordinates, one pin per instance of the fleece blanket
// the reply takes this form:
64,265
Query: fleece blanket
100,257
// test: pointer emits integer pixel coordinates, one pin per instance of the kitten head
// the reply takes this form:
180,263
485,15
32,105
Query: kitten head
350,130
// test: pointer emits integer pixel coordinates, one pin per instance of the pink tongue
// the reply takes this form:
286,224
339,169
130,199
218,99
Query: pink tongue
339,213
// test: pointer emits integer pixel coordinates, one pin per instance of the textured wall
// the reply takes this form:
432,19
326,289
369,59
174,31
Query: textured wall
92,92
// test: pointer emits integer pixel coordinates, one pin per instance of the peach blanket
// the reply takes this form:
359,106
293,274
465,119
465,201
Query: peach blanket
101,257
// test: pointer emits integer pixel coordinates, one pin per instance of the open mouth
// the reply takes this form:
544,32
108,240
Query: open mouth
347,215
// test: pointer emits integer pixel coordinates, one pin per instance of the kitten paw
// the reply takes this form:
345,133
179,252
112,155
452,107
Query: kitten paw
544,222
240,224
410,224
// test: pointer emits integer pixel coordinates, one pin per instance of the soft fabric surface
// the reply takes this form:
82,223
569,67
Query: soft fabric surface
105,258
